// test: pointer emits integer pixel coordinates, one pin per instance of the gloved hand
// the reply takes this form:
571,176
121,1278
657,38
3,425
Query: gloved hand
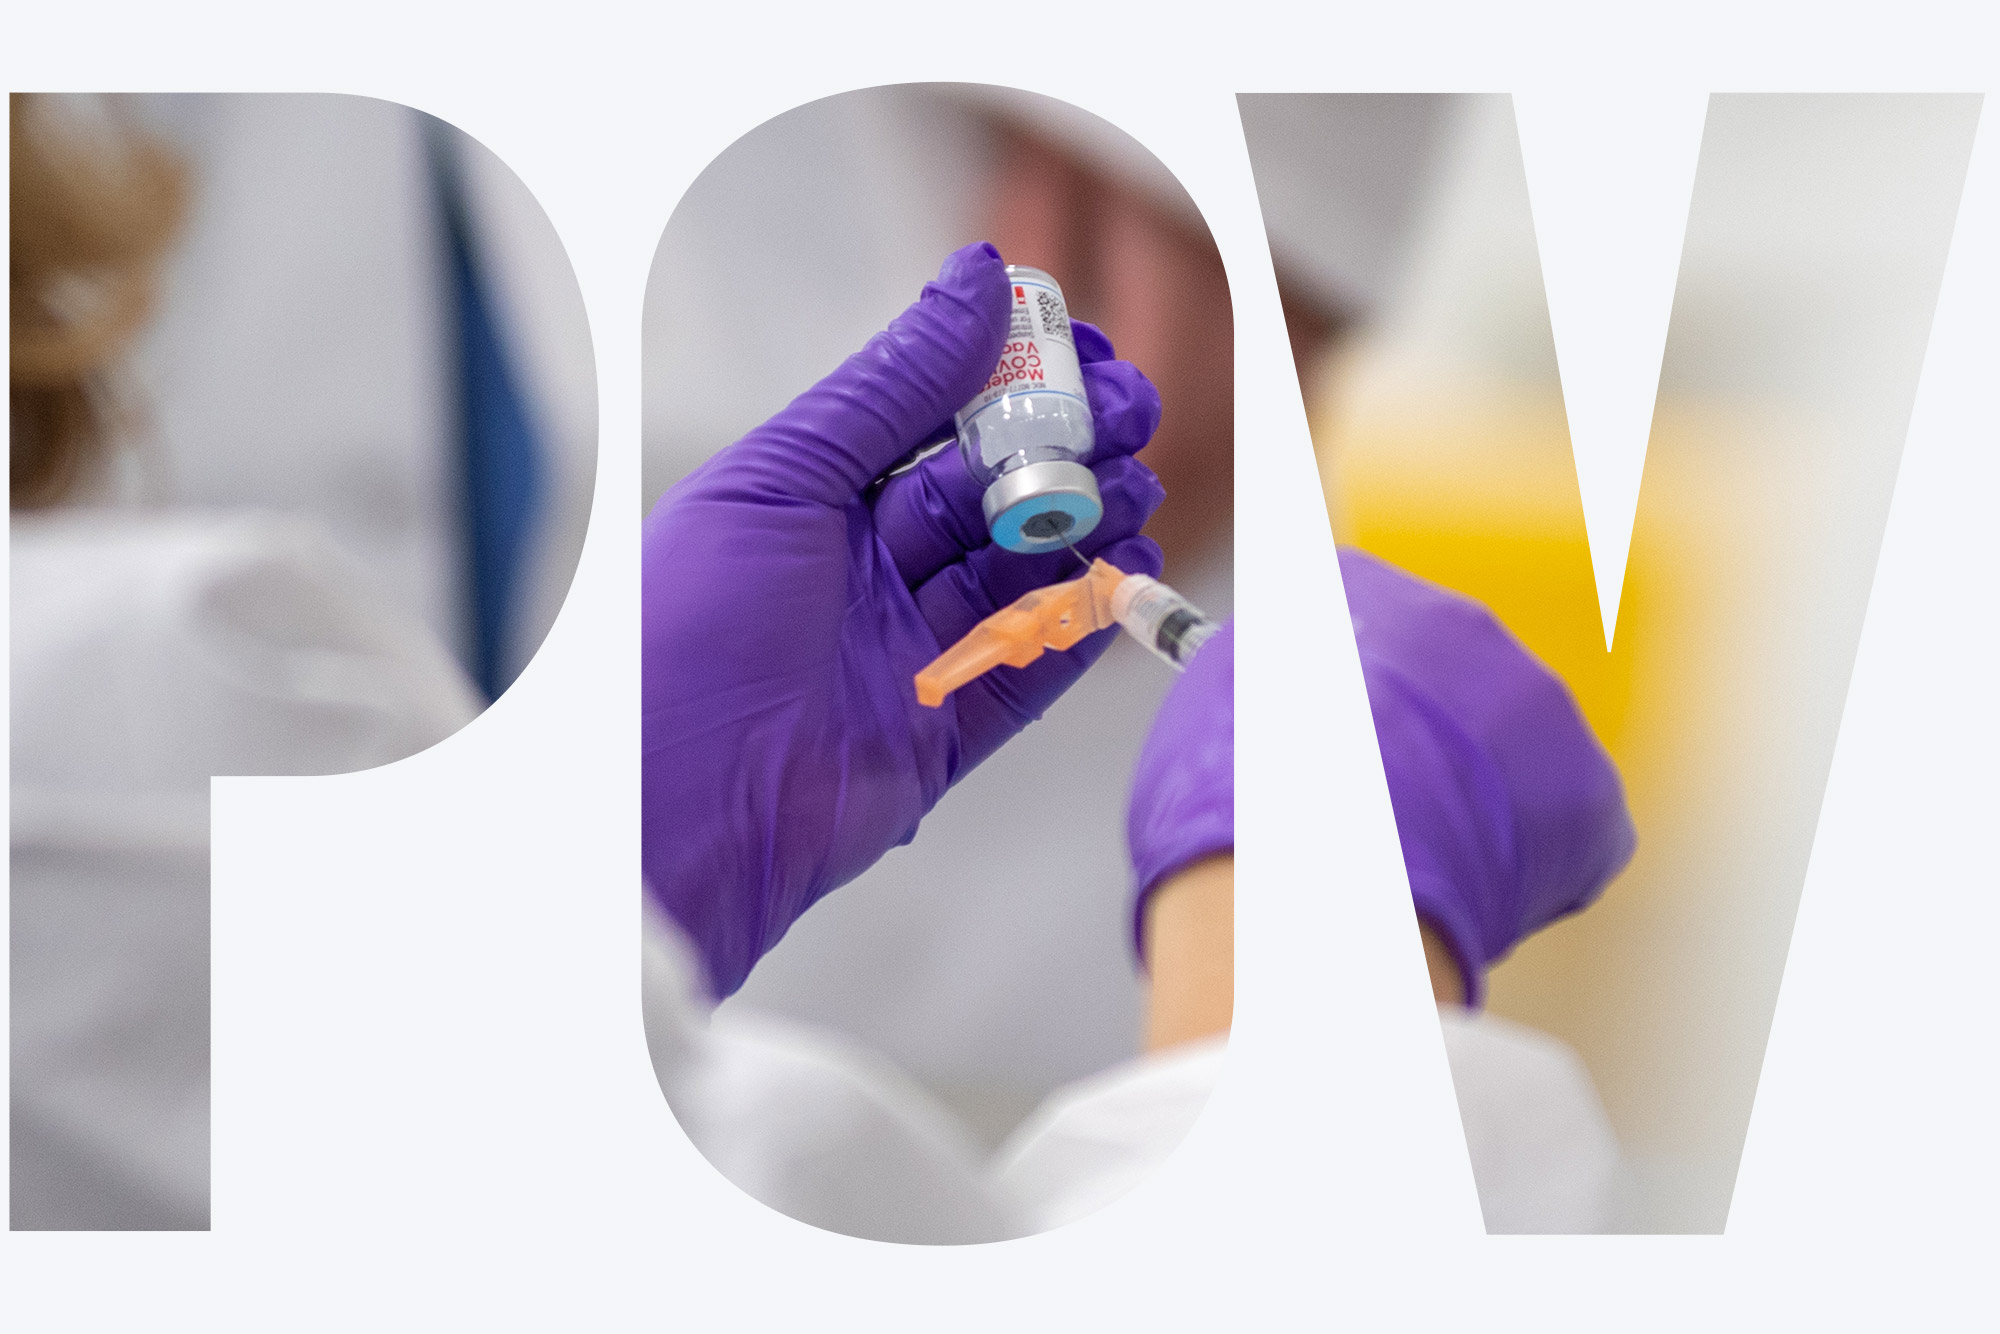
1183,804
1510,813
788,603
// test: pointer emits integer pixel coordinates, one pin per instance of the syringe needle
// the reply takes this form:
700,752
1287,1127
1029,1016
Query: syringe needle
1080,560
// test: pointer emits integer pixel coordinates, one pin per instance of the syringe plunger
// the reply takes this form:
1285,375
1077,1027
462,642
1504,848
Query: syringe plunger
1161,619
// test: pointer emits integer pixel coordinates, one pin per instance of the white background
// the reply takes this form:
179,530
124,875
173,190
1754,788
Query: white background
432,1099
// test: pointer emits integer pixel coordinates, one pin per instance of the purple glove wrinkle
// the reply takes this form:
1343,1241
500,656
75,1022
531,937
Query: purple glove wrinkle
789,602
1183,806
1510,813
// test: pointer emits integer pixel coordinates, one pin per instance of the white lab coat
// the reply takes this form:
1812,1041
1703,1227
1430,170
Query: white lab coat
150,651
819,1128
299,361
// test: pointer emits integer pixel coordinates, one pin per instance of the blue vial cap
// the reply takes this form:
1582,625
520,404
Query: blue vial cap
1047,522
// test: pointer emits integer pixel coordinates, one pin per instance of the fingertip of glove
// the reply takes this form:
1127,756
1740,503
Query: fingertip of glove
1124,404
963,314
1132,494
1092,345
970,266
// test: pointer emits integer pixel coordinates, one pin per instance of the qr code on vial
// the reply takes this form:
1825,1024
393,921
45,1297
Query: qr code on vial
1055,324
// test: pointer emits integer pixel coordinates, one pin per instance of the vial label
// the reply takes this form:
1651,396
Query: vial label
1040,355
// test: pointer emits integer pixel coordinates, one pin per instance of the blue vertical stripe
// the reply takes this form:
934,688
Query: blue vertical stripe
500,452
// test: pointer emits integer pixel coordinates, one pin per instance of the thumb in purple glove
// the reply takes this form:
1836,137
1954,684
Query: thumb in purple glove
1510,813
1183,805
789,602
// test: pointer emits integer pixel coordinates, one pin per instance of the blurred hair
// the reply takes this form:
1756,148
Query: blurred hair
93,205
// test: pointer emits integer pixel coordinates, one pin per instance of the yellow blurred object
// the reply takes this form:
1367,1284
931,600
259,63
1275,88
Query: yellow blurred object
1484,501
1816,237
1477,492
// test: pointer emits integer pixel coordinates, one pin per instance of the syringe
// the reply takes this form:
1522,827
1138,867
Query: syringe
1161,619
1059,616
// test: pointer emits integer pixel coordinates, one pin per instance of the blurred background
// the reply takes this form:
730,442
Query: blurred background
368,320
1403,238
302,441
991,959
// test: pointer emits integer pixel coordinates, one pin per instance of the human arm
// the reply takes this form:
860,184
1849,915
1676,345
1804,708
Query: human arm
1181,831
1182,835
1190,947
1189,938
1447,982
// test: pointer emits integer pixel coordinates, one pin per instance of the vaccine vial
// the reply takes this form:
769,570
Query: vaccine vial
1027,435
1161,619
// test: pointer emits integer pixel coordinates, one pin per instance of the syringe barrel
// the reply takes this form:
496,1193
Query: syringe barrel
1161,619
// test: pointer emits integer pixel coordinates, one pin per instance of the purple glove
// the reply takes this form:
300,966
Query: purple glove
1511,815
1184,789
789,603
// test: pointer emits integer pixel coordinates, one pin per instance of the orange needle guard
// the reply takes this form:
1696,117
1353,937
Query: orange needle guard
1053,617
